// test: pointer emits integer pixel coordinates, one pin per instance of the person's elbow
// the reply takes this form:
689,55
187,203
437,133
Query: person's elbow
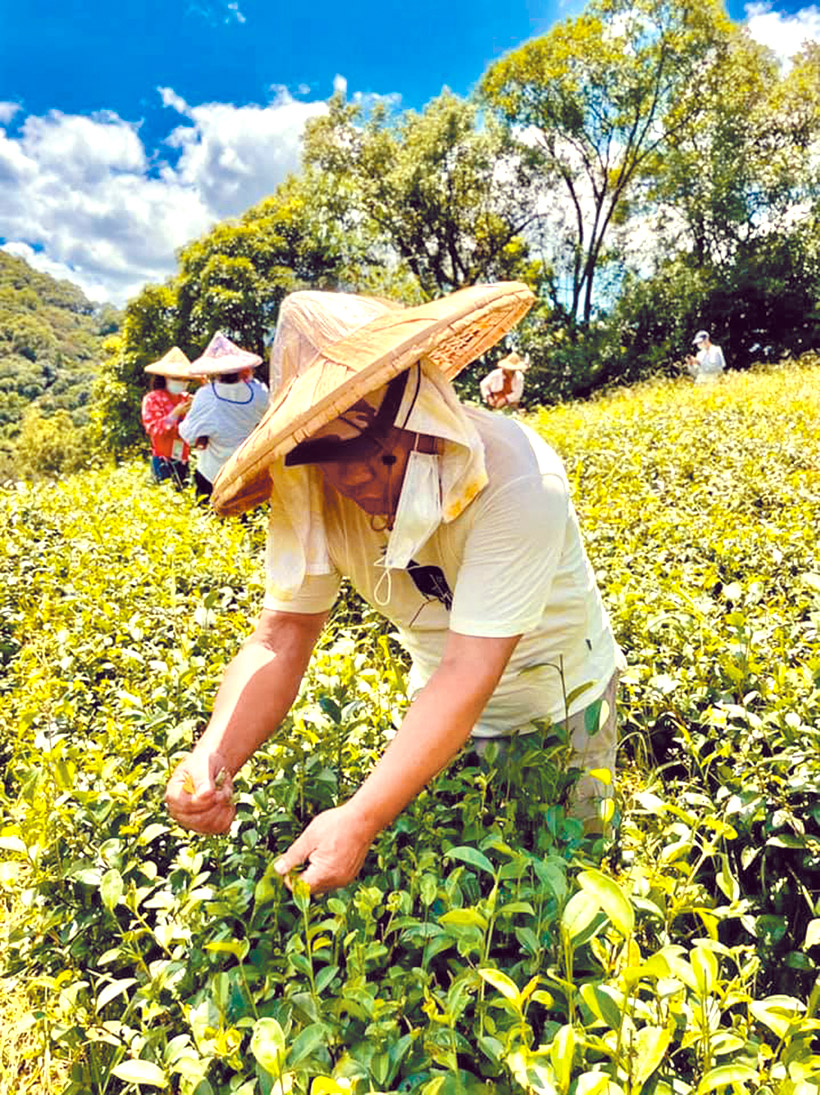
288,634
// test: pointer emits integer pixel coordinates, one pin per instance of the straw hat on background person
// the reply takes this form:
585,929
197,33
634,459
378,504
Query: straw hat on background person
221,356
174,365
513,363
332,350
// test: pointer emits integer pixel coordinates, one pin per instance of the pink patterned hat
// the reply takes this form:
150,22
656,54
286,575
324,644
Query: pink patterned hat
223,356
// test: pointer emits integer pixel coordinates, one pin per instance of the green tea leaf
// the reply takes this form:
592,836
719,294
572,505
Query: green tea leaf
472,856
306,1043
140,1072
611,898
111,888
114,989
500,981
649,1047
268,1045
464,918
580,913
724,1075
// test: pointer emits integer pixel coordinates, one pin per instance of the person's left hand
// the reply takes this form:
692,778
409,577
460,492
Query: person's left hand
335,844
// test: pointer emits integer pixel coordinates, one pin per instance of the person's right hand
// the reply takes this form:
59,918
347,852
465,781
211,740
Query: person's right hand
199,794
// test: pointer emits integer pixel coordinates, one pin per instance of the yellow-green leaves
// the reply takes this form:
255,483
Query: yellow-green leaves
268,1045
111,888
580,915
610,897
141,1073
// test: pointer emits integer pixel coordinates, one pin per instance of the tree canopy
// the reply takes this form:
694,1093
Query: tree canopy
448,196
645,166
595,98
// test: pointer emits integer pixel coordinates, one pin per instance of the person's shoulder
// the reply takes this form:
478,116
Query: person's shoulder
203,394
513,452
511,436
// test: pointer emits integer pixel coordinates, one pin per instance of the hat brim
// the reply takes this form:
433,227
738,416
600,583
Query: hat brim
174,365
513,363
221,366
452,331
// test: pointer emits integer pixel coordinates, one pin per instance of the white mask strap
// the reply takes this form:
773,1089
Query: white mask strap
388,577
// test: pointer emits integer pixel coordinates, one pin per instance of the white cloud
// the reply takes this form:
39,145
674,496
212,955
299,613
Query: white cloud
233,156
7,111
170,98
783,32
84,198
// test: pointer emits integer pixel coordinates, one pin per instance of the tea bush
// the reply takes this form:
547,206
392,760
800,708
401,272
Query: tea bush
488,945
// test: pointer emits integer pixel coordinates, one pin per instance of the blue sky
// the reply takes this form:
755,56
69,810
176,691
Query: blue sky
128,128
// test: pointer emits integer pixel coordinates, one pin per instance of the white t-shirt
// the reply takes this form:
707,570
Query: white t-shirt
512,563
225,414
494,382
711,363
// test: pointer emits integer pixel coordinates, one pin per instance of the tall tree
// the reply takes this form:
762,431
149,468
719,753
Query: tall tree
747,167
235,277
150,327
446,196
596,98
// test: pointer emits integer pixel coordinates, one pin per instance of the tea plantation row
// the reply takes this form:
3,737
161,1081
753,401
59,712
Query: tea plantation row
488,946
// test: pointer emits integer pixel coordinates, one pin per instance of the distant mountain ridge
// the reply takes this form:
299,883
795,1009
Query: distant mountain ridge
51,339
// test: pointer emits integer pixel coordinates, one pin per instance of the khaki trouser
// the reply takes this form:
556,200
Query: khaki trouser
593,748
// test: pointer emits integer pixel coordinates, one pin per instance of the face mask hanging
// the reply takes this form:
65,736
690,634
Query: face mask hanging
418,514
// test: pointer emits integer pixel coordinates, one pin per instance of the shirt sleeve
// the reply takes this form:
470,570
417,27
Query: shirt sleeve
198,421
155,409
511,557
492,382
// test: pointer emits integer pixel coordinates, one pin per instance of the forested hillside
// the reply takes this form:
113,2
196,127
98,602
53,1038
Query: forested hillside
51,339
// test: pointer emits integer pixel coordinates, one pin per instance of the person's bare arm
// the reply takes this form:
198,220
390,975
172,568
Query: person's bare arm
436,726
258,688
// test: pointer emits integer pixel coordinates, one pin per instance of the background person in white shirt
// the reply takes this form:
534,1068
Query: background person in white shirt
708,363
225,410
504,386
455,523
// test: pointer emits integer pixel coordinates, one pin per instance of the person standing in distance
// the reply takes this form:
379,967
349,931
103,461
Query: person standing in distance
504,386
708,363
163,408
225,410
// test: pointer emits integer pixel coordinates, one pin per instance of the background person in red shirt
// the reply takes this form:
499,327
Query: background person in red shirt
162,409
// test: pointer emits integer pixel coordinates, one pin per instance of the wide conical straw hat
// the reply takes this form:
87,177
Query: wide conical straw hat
174,364
332,349
514,362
